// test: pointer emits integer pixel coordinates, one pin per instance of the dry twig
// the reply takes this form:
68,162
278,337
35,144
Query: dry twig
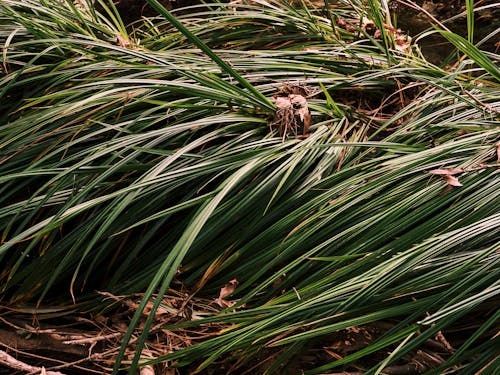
11,362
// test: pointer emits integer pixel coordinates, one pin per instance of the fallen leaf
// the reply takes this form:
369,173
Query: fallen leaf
446,171
451,180
224,292
228,288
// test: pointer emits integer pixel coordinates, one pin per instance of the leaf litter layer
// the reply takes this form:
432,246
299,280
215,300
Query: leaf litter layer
247,187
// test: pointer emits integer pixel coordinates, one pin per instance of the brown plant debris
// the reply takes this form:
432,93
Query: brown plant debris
402,41
448,175
74,344
15,364
90,346
226,291
292,115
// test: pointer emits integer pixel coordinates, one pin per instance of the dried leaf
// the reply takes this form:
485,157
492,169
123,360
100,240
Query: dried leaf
451,180
224,292
440,172
456,171
446,171
402,42
498,152
228,288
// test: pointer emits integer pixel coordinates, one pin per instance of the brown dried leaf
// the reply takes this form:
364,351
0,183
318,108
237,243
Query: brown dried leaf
440,172
498,152
456,170
446,171
451,180
228,288
224,292
225,304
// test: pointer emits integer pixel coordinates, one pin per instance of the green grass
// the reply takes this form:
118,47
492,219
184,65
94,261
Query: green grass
132,157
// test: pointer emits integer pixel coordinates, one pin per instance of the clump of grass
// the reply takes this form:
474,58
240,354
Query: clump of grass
133,156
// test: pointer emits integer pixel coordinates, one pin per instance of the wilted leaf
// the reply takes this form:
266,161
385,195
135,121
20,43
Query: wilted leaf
402,42
228,288
451,180
224,292
447,171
